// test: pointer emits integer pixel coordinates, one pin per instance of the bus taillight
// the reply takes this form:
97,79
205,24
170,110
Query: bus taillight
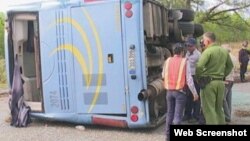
134,118
134,110
129,14
128,6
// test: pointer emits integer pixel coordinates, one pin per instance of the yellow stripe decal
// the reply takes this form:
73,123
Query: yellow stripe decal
86,43
77,55
180,73
100,58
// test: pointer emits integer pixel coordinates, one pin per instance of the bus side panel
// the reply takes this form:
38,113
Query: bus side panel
99,70
56,61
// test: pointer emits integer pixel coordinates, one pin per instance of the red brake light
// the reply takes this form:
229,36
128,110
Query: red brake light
134,118
129,14
128,5
134,110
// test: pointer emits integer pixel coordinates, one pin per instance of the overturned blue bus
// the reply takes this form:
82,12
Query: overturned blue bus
95,61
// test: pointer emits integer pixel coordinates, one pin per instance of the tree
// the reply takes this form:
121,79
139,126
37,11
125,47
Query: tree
1,35
217,12
231,29
2,62
182,3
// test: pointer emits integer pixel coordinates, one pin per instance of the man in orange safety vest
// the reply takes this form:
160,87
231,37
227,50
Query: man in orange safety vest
177,75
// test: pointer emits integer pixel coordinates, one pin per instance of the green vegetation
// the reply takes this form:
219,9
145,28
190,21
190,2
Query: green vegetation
2,72
231,29
1,35
2,62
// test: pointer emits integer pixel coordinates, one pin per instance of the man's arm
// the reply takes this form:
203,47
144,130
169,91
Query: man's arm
240,54
229,65
248,50
190,82
205,56
163,69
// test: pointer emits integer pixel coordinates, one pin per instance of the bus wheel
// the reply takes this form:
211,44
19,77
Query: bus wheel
198,30
178,35
187,28
187,15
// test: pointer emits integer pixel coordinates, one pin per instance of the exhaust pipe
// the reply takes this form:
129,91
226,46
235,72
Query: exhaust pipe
154,88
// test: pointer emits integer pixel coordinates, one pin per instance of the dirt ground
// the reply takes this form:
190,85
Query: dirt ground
241,103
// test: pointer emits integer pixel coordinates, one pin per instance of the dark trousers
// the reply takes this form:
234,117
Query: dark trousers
175,106
227,101
243,70
192,108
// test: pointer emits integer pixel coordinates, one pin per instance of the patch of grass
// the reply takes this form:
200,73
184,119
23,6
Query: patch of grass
3,86
3,76
242,113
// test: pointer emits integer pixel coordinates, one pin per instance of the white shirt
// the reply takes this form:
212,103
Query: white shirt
190,81
193,58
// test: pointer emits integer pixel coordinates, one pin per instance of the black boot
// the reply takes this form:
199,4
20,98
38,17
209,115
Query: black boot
244,80
241,78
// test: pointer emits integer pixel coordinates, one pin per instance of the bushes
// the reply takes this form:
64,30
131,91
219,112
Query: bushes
3,76
1,35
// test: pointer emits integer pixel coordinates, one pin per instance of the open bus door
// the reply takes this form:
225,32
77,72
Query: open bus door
23,45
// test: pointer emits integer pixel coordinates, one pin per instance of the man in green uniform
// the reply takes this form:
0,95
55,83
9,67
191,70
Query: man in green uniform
214,64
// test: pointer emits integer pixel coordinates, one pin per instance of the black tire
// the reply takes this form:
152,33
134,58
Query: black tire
178,36
170,28
187,28
198,30
170,15
174,14
188,15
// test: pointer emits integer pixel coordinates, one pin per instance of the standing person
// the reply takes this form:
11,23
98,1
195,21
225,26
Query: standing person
229,81
192,108
213,65
243,59
176,74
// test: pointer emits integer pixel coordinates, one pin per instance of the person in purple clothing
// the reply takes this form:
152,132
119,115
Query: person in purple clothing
243,59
